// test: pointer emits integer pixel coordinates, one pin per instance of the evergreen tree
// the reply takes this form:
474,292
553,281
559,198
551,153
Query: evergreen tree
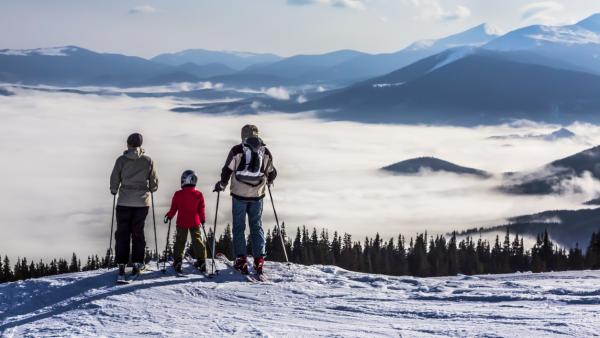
452,253
592,256
7,273
296,254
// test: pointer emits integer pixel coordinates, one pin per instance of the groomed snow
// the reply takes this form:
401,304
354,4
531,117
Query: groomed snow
304,301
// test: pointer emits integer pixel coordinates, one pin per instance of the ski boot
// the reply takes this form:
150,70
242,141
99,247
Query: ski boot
121,279
178,267
200,265
137,269
258,264
241,264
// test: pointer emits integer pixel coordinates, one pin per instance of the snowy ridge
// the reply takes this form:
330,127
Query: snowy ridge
569,35
455,55
303,301
52,51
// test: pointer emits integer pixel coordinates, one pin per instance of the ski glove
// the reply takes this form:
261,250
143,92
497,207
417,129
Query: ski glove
219,187
167,219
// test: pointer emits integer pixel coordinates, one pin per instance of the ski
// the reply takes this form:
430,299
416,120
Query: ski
206,274
122,280
262,277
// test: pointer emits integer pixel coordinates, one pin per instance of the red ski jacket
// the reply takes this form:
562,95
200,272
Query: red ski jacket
188,204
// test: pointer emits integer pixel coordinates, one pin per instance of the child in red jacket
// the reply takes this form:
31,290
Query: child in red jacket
188,204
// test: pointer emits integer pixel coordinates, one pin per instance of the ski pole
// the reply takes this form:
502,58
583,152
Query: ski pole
214,243
154,221
278,227
213,256
112,225
164,270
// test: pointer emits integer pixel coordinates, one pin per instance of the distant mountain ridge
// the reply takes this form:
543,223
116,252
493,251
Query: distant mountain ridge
566,227
419,164
550,178
230,59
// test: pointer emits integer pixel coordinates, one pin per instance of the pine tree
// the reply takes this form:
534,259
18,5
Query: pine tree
296,253
417,257
576,259
7,272
73,265
453,267
592,256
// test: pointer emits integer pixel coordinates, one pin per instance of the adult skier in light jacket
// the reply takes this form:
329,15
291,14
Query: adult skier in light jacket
133,178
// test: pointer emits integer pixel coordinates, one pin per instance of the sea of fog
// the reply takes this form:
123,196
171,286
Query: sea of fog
58,150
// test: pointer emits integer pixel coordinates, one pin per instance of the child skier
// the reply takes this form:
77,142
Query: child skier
188,204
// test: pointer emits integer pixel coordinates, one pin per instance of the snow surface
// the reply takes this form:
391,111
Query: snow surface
53,51
387,85
304,301
569,35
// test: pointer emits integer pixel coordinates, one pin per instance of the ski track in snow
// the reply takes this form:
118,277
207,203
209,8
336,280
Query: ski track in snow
303,301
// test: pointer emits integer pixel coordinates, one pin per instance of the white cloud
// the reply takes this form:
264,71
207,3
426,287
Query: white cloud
301,99
433,10
544,12
143,9
278,93
353,4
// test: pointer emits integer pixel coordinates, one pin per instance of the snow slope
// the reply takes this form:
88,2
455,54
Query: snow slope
299,301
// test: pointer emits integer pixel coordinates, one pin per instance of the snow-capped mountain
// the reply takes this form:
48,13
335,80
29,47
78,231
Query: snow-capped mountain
75,66
201,57
469,86
366,66
577,44
72,65
301,301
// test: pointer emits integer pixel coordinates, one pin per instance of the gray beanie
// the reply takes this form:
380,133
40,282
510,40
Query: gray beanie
135,140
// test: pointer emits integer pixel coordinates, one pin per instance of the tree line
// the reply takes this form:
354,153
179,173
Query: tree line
421,256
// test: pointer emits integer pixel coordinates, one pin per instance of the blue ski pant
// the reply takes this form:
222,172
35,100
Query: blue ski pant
253,209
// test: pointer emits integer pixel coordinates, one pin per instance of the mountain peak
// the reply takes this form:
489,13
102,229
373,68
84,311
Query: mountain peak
490,29
591,23
483,29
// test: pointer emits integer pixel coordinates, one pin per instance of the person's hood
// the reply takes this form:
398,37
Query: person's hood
133,153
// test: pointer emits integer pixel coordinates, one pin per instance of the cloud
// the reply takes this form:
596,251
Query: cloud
433,10
62,148
143,9
544,12
352,4
278,93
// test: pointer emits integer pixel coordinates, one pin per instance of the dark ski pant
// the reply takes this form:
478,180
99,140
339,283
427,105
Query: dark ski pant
130,233
197,244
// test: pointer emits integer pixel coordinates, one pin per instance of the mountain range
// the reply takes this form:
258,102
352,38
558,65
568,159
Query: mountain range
541,73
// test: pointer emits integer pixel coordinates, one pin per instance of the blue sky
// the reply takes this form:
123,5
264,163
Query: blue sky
149,27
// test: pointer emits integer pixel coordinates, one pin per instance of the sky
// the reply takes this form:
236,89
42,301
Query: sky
286,27
62,147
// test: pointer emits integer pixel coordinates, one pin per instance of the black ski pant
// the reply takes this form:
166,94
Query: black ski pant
130,230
